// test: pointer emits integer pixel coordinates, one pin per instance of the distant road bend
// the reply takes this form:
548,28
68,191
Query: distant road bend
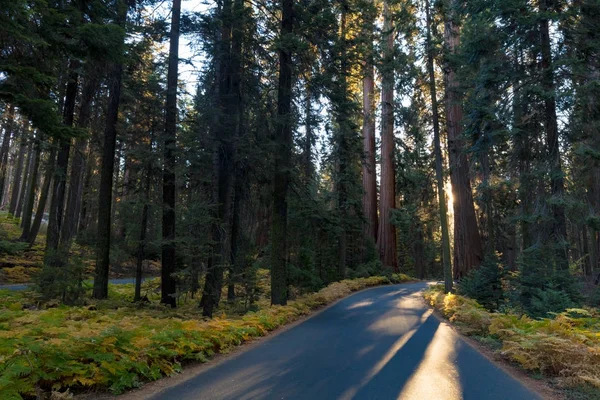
381,343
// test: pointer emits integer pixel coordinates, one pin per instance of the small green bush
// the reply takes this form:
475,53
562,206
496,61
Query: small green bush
485,284
62,281
11,247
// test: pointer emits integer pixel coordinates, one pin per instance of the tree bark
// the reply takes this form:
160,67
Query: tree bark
37,222
168,286
283,154
226,133
142,243
386,237
239,172
468,251
8,131
439,169
106,174
16,184
57,203
69,227
30,197
25,185
559,223
369,168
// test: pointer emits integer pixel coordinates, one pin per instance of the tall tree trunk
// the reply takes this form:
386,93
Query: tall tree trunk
85,195
228,124
344,152
37,222
559,223
16,184
523,152
106,173
386,237
283,154
69,227
439,168
588,39
468,252
30,197
25,187
309,138
142,243
168,286
239,178
8,131
57,203
141,250
369,169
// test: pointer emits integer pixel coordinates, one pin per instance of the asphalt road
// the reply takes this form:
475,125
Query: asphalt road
381,343
25,286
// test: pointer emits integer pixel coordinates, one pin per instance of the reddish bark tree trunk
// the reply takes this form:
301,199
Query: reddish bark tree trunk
468,252
386,237
369,170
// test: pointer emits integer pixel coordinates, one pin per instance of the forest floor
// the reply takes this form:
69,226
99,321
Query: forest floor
19,263
116,344
563,350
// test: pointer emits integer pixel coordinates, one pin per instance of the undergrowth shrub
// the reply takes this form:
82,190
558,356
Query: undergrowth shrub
543,287
484,284
12,247
63,281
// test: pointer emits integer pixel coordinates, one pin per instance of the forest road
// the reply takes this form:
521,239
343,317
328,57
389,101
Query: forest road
381,343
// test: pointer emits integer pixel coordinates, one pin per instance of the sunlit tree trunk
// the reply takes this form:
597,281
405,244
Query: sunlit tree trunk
439,168
369,170
468,252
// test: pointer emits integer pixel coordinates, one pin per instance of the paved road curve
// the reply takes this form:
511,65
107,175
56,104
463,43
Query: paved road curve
382,343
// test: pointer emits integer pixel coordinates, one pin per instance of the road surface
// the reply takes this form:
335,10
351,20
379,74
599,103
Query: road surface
117,281
381,343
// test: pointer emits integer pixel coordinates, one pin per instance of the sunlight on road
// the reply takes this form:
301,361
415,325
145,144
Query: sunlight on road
405,315
436,377
360,304
351,392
